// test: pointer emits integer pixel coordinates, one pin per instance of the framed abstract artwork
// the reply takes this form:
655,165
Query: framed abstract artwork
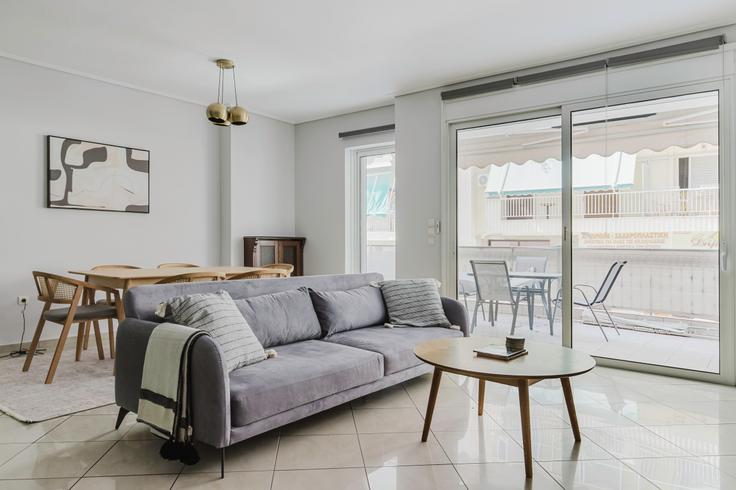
87,175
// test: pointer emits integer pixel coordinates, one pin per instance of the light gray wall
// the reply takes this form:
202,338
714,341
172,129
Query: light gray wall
418,197
209,185
260,184
320,183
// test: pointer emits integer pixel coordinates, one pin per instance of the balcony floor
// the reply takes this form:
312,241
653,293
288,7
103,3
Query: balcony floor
651,348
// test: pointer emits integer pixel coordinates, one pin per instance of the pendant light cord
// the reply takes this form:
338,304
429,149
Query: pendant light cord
235,87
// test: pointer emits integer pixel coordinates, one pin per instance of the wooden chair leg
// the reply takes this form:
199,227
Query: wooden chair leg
36,338
87,330
111,335
80,341
59,349
98,340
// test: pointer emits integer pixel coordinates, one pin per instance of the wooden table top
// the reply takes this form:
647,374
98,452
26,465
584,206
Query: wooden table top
543,361
155,273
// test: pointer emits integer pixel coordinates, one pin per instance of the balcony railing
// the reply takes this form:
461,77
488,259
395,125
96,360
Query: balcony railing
608,204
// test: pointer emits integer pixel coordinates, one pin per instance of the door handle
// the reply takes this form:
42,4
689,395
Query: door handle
724,257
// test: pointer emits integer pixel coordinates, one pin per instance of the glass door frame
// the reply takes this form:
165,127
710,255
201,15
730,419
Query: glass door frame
726,179
355,217
727,216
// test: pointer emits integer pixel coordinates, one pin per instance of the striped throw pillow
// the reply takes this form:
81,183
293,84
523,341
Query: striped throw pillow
414,303
217,314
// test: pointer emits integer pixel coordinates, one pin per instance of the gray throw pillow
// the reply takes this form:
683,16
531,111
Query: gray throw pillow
217,314
339,311
281,318
414,303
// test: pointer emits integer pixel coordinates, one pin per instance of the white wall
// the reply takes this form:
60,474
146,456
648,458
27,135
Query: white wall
320,184
183,224
260,183
418,183
209,185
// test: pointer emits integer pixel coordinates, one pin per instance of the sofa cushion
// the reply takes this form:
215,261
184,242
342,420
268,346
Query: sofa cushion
281,318
396,345
414,302
339,311
301,373
217,315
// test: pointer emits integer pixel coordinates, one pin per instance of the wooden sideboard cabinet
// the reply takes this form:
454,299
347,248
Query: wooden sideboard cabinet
264,250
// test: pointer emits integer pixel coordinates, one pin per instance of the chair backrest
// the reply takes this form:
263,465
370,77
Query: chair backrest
258,275
53,288
114,266
608,282
530,264
289,268
193,277
492,280
173,265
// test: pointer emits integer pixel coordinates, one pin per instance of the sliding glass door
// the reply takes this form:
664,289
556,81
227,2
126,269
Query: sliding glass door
645,231
599,226
509,212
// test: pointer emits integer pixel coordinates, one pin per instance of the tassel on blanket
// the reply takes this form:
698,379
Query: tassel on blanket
271,353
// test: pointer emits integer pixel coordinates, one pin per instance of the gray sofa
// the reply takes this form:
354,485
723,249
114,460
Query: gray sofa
311,373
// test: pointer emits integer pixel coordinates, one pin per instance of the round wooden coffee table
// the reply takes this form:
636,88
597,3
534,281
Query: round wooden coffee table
544,361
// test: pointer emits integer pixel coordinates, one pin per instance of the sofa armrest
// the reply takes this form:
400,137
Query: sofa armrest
456,313
209,382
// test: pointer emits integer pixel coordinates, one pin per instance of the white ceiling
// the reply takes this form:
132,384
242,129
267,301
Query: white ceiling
300,60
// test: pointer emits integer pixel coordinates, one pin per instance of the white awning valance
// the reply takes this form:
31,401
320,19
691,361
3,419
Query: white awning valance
592,173
682,122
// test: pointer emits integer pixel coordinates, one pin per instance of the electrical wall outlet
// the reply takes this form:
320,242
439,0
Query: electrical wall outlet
22,300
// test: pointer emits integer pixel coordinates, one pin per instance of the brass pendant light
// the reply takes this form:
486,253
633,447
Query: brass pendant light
218,112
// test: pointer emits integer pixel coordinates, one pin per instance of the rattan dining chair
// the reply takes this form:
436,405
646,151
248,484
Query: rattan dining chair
289,268
54,289
108,300
174,265
193,277
277,273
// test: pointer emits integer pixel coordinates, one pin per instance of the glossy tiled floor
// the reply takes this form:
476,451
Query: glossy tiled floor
639,432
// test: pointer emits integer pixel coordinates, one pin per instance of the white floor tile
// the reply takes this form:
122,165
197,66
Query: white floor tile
256,454
437,477
632,442
504,476
88,428
480,447
317,452
247,480
401,449
682,473
12,431
54,460
560,445
374,420
134,458
596,475
343,478
139,482
41,484
701,440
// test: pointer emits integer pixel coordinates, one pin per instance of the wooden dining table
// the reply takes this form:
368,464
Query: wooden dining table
125,279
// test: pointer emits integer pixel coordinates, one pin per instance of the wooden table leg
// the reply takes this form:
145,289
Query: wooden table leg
481,394
526,425
436,378
567,390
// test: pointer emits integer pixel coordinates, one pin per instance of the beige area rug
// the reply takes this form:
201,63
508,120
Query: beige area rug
77,386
